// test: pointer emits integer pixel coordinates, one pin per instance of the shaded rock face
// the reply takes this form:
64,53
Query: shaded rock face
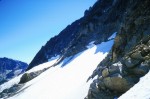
141,62
129,58
10,68
98,23
132,30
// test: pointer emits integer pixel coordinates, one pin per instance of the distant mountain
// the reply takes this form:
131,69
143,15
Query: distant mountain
10,68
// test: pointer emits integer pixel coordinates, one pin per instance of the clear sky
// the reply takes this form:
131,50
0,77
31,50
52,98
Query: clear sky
26,25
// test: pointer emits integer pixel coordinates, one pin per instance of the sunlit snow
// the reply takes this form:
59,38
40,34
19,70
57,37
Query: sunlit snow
68,81
8,71
139,91
17,79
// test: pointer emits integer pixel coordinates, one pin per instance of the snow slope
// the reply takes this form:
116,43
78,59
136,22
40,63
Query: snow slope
64,82
139,91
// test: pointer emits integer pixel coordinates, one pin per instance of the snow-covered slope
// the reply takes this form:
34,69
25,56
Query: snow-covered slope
67,80
140,91
16,80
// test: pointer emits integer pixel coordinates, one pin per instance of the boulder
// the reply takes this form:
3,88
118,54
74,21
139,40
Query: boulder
137,55
117,84
130,63
101,85
116,75
140,70
114,69
133,79
25,78
105,72
95,93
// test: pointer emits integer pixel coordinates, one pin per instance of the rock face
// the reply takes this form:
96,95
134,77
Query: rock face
121,76
56,45
10,68
129,58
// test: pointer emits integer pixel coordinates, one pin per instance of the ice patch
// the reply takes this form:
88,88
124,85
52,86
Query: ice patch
17,72
53,58
90,45
8,71
112,36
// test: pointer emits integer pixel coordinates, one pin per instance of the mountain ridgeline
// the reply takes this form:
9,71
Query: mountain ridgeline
97,24
128,59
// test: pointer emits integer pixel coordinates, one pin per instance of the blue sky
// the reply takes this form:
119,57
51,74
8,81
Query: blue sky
26,25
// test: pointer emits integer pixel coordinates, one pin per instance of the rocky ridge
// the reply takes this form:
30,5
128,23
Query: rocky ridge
98,23
129,58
